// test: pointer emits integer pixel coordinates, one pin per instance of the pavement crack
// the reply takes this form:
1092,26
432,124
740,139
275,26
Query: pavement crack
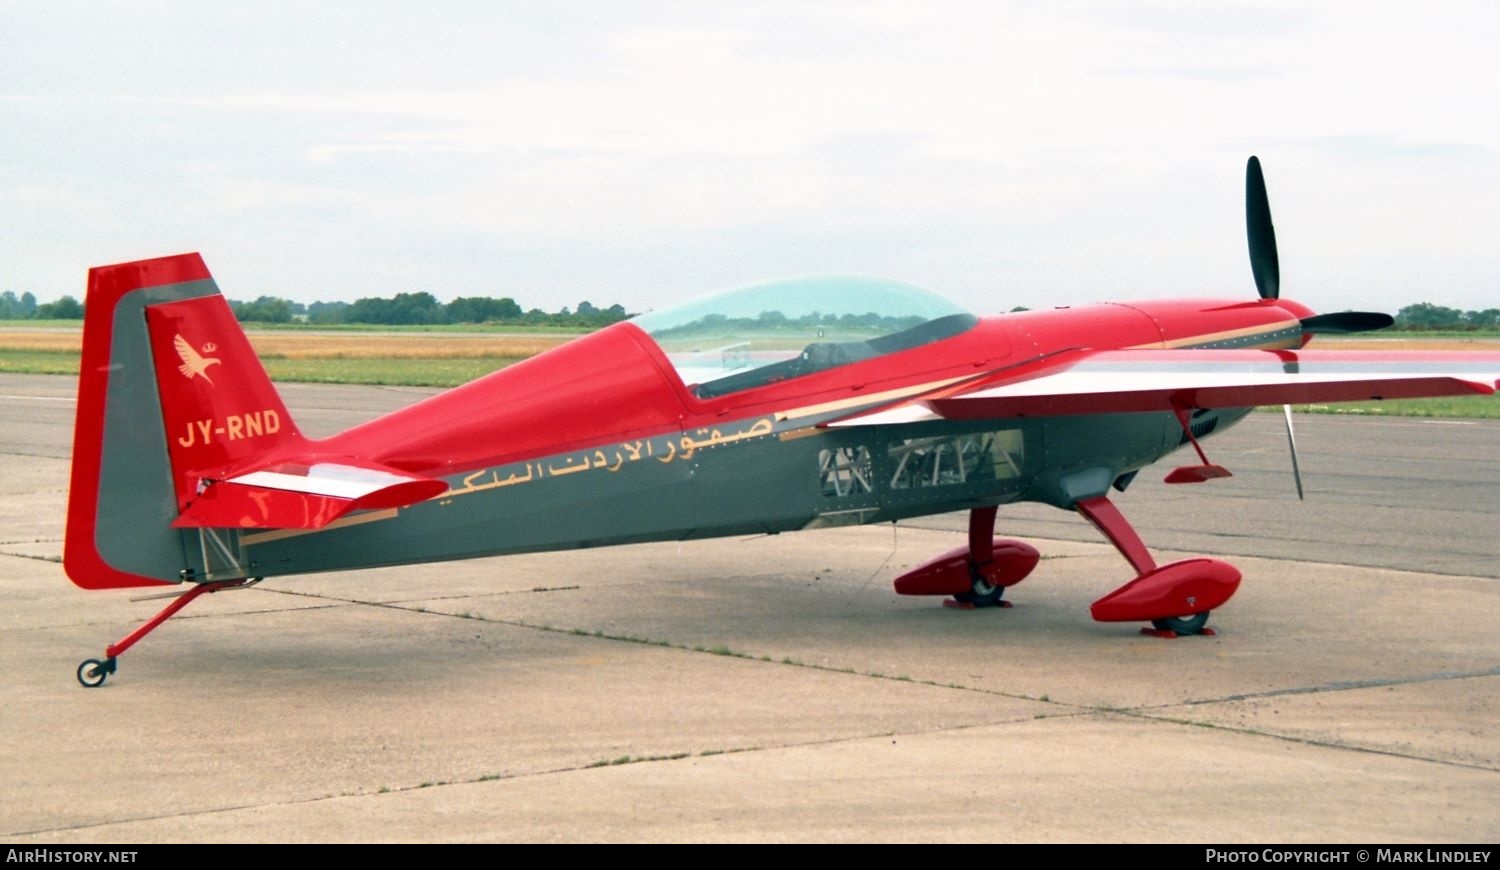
55,560
1303,741
406,603
497,594
615,761
183,615
785,661
1338,686
1064,709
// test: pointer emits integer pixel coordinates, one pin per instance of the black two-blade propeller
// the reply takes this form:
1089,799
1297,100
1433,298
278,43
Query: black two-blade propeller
1266,265
1264,262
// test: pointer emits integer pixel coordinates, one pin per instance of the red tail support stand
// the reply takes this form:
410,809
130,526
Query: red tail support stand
93,672
1175,598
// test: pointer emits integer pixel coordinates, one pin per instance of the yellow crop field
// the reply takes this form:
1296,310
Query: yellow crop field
294,345
331,345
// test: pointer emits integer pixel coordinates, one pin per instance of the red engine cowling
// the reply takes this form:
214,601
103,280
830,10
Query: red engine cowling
1178,589
948,574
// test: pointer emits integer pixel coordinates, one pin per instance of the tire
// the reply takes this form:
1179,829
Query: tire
92,673
1183,624
981,593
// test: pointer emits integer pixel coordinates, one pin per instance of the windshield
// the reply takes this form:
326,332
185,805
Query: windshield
769,332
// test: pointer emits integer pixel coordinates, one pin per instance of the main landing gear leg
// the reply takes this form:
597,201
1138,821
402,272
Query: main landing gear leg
1175,598
976,574
93,672
981,592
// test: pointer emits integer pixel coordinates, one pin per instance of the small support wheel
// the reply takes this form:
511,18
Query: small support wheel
92,672
982,593
1183,624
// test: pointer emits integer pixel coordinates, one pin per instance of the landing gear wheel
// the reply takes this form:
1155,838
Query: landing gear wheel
1183,624
92,672
981,593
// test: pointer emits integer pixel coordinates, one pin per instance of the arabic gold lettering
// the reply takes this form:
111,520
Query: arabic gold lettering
569,467
515,478
619,461
469,485
633,449
671,453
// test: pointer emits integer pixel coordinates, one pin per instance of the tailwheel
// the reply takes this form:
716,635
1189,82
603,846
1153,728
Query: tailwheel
92,672
1179,625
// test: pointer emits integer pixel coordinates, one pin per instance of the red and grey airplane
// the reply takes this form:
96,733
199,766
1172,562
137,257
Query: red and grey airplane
772,408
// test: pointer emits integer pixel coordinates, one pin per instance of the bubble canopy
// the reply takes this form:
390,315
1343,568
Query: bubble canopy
754,335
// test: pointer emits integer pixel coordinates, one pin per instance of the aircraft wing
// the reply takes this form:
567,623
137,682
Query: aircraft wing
303,496
1126,381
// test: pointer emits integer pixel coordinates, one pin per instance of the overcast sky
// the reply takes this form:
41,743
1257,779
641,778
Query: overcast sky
1000,153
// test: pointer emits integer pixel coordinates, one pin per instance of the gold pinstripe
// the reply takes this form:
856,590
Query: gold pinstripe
1215,337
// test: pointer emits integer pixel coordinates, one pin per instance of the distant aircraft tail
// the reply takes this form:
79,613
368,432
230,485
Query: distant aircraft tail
181,440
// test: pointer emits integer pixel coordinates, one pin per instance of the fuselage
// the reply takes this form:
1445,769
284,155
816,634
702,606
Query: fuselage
601,441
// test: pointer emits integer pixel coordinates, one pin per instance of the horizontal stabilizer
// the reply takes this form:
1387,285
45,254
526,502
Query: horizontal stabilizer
296,496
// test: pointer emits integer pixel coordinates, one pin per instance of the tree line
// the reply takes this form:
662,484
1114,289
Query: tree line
402,309
424,308
25,307
721,324
1426,316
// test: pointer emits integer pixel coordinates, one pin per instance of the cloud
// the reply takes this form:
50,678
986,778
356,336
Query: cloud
1067,151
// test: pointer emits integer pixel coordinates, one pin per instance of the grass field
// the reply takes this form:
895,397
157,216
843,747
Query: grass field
422,357
414,329
408,358
1473,407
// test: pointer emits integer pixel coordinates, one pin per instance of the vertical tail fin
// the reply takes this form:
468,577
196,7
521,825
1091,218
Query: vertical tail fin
169,392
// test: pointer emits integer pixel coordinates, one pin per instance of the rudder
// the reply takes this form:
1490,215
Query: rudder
169,392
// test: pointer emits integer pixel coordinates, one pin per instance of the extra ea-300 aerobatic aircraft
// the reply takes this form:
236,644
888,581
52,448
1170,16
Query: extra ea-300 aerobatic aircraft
773,408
